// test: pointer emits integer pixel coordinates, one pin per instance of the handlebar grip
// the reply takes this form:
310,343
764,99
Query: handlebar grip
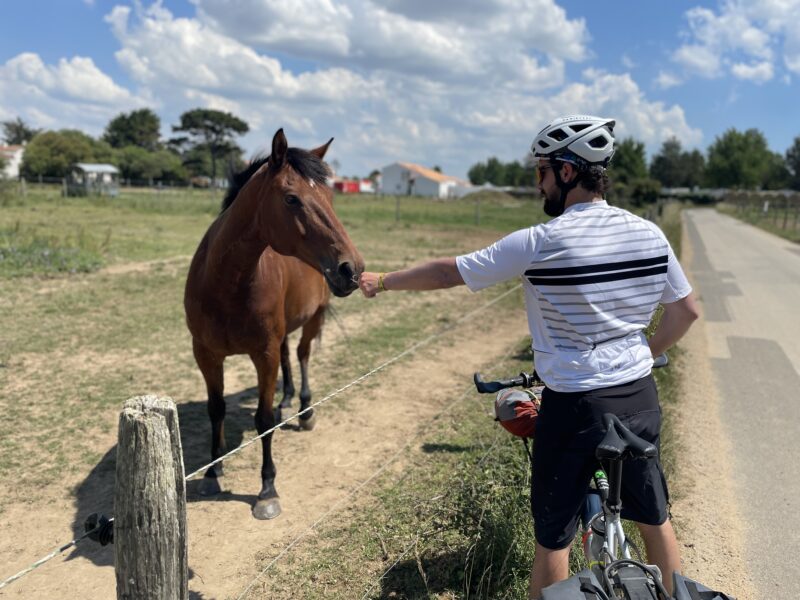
490,387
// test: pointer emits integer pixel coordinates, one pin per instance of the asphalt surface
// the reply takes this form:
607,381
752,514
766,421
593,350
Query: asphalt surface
749,284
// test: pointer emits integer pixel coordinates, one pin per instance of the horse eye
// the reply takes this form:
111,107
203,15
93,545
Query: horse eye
292,200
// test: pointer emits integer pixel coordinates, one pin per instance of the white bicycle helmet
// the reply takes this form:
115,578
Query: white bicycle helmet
588,138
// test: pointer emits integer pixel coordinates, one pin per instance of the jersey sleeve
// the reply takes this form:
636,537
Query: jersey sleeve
677,286
505,259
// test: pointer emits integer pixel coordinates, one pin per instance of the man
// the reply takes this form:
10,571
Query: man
593,277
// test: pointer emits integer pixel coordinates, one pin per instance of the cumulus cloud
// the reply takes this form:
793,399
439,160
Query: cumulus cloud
449,83
743,38
71,93
667,80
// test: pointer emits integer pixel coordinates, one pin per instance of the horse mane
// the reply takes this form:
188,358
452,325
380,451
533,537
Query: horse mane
302,161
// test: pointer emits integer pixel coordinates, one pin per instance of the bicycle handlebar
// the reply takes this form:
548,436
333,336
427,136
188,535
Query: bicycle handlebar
526,380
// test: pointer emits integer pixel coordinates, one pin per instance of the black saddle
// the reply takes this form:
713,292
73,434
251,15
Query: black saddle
620,442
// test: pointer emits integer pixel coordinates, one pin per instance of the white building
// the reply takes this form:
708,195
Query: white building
12,159
408,179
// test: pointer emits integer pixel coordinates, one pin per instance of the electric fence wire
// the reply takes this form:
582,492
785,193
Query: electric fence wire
241,447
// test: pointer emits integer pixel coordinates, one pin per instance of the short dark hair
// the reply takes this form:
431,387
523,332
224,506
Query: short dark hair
593,178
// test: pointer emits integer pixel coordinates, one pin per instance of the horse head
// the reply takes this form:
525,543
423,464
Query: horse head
296,214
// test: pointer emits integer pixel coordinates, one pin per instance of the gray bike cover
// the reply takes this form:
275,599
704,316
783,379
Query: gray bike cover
584,586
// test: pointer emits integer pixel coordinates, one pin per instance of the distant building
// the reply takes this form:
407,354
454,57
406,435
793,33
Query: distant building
12,159
408,179
95,179
346,186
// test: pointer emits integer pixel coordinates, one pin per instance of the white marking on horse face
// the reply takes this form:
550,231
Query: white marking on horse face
311,183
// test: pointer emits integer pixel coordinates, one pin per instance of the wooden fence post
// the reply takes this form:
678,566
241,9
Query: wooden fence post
150,553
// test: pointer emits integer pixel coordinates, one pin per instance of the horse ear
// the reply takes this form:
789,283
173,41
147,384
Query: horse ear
279,148
320,152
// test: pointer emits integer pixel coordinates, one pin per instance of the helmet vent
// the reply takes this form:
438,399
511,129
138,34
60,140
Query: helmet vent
579,127
558,135
598,142
543,144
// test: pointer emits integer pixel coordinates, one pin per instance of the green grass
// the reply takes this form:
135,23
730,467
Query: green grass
74,343
772,223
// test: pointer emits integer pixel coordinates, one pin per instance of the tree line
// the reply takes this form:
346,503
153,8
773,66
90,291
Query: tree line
736,159
203,146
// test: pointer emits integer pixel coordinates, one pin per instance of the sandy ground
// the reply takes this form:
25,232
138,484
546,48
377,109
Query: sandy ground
316,470
705,511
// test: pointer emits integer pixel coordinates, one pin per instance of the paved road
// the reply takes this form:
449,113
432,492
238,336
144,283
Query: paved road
749,283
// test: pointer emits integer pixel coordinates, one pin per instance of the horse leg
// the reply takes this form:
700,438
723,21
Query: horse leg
311,330
288,385
267,506
211,367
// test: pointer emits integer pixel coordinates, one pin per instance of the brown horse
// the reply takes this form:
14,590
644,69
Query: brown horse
259,273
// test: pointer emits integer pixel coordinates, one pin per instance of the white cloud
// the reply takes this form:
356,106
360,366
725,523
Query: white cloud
391,80
71,93
744,38
462,41
666,80
757,73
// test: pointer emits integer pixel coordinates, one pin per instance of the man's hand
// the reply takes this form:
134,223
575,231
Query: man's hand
368,282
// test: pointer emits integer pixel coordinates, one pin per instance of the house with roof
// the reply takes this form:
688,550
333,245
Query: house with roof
12,160
408,179
88,179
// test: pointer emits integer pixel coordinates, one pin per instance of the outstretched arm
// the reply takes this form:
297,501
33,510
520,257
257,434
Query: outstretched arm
675,322
432,275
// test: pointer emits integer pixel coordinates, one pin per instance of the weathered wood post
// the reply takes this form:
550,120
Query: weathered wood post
150,503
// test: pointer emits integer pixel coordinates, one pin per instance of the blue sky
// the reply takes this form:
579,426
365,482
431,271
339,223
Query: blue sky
446,83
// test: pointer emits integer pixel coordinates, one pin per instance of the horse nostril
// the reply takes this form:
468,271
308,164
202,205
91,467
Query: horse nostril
346,271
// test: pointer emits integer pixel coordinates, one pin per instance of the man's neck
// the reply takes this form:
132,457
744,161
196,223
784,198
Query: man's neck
579,196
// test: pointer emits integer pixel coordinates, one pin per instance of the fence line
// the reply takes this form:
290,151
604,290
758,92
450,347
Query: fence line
363,377
363,484
417,538
355,382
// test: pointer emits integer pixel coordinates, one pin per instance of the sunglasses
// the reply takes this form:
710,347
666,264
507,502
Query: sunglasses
541,171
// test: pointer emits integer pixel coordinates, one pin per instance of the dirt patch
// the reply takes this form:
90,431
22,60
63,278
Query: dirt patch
706,512
316,470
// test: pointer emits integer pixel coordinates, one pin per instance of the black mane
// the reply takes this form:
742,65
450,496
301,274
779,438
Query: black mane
303,162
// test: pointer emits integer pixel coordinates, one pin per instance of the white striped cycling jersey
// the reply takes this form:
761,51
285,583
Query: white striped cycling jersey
593,277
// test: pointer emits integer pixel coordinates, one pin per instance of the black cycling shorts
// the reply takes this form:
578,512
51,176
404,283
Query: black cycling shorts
568,431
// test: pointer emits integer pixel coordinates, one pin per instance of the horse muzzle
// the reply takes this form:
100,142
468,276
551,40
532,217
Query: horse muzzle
343,281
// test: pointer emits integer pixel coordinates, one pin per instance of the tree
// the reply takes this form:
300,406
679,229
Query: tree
793,163
17,132
667,165
213,129
495,171
136,163
52,153
739,160
675,168
477,174
629,162
137,128
437,168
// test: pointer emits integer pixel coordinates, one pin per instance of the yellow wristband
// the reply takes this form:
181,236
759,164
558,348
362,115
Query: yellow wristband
381,287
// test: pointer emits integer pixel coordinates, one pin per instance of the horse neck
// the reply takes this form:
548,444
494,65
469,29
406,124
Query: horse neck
238,242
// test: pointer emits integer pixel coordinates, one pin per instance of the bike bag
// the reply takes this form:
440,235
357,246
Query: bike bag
688,589
581,586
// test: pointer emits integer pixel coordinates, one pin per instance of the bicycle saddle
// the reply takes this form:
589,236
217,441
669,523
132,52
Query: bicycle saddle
620,442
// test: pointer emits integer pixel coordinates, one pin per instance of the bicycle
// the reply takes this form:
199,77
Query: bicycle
612,572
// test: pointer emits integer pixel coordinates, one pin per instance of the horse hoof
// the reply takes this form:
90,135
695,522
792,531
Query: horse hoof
267,509
209,486
308,424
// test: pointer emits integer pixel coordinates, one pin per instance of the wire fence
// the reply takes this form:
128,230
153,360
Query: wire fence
297,415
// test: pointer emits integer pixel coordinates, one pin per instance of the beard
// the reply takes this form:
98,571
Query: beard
553,203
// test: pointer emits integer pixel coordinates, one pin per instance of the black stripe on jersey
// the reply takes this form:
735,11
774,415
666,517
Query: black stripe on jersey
598,278
599,268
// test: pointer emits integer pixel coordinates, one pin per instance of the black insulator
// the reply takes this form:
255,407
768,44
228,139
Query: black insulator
99,528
